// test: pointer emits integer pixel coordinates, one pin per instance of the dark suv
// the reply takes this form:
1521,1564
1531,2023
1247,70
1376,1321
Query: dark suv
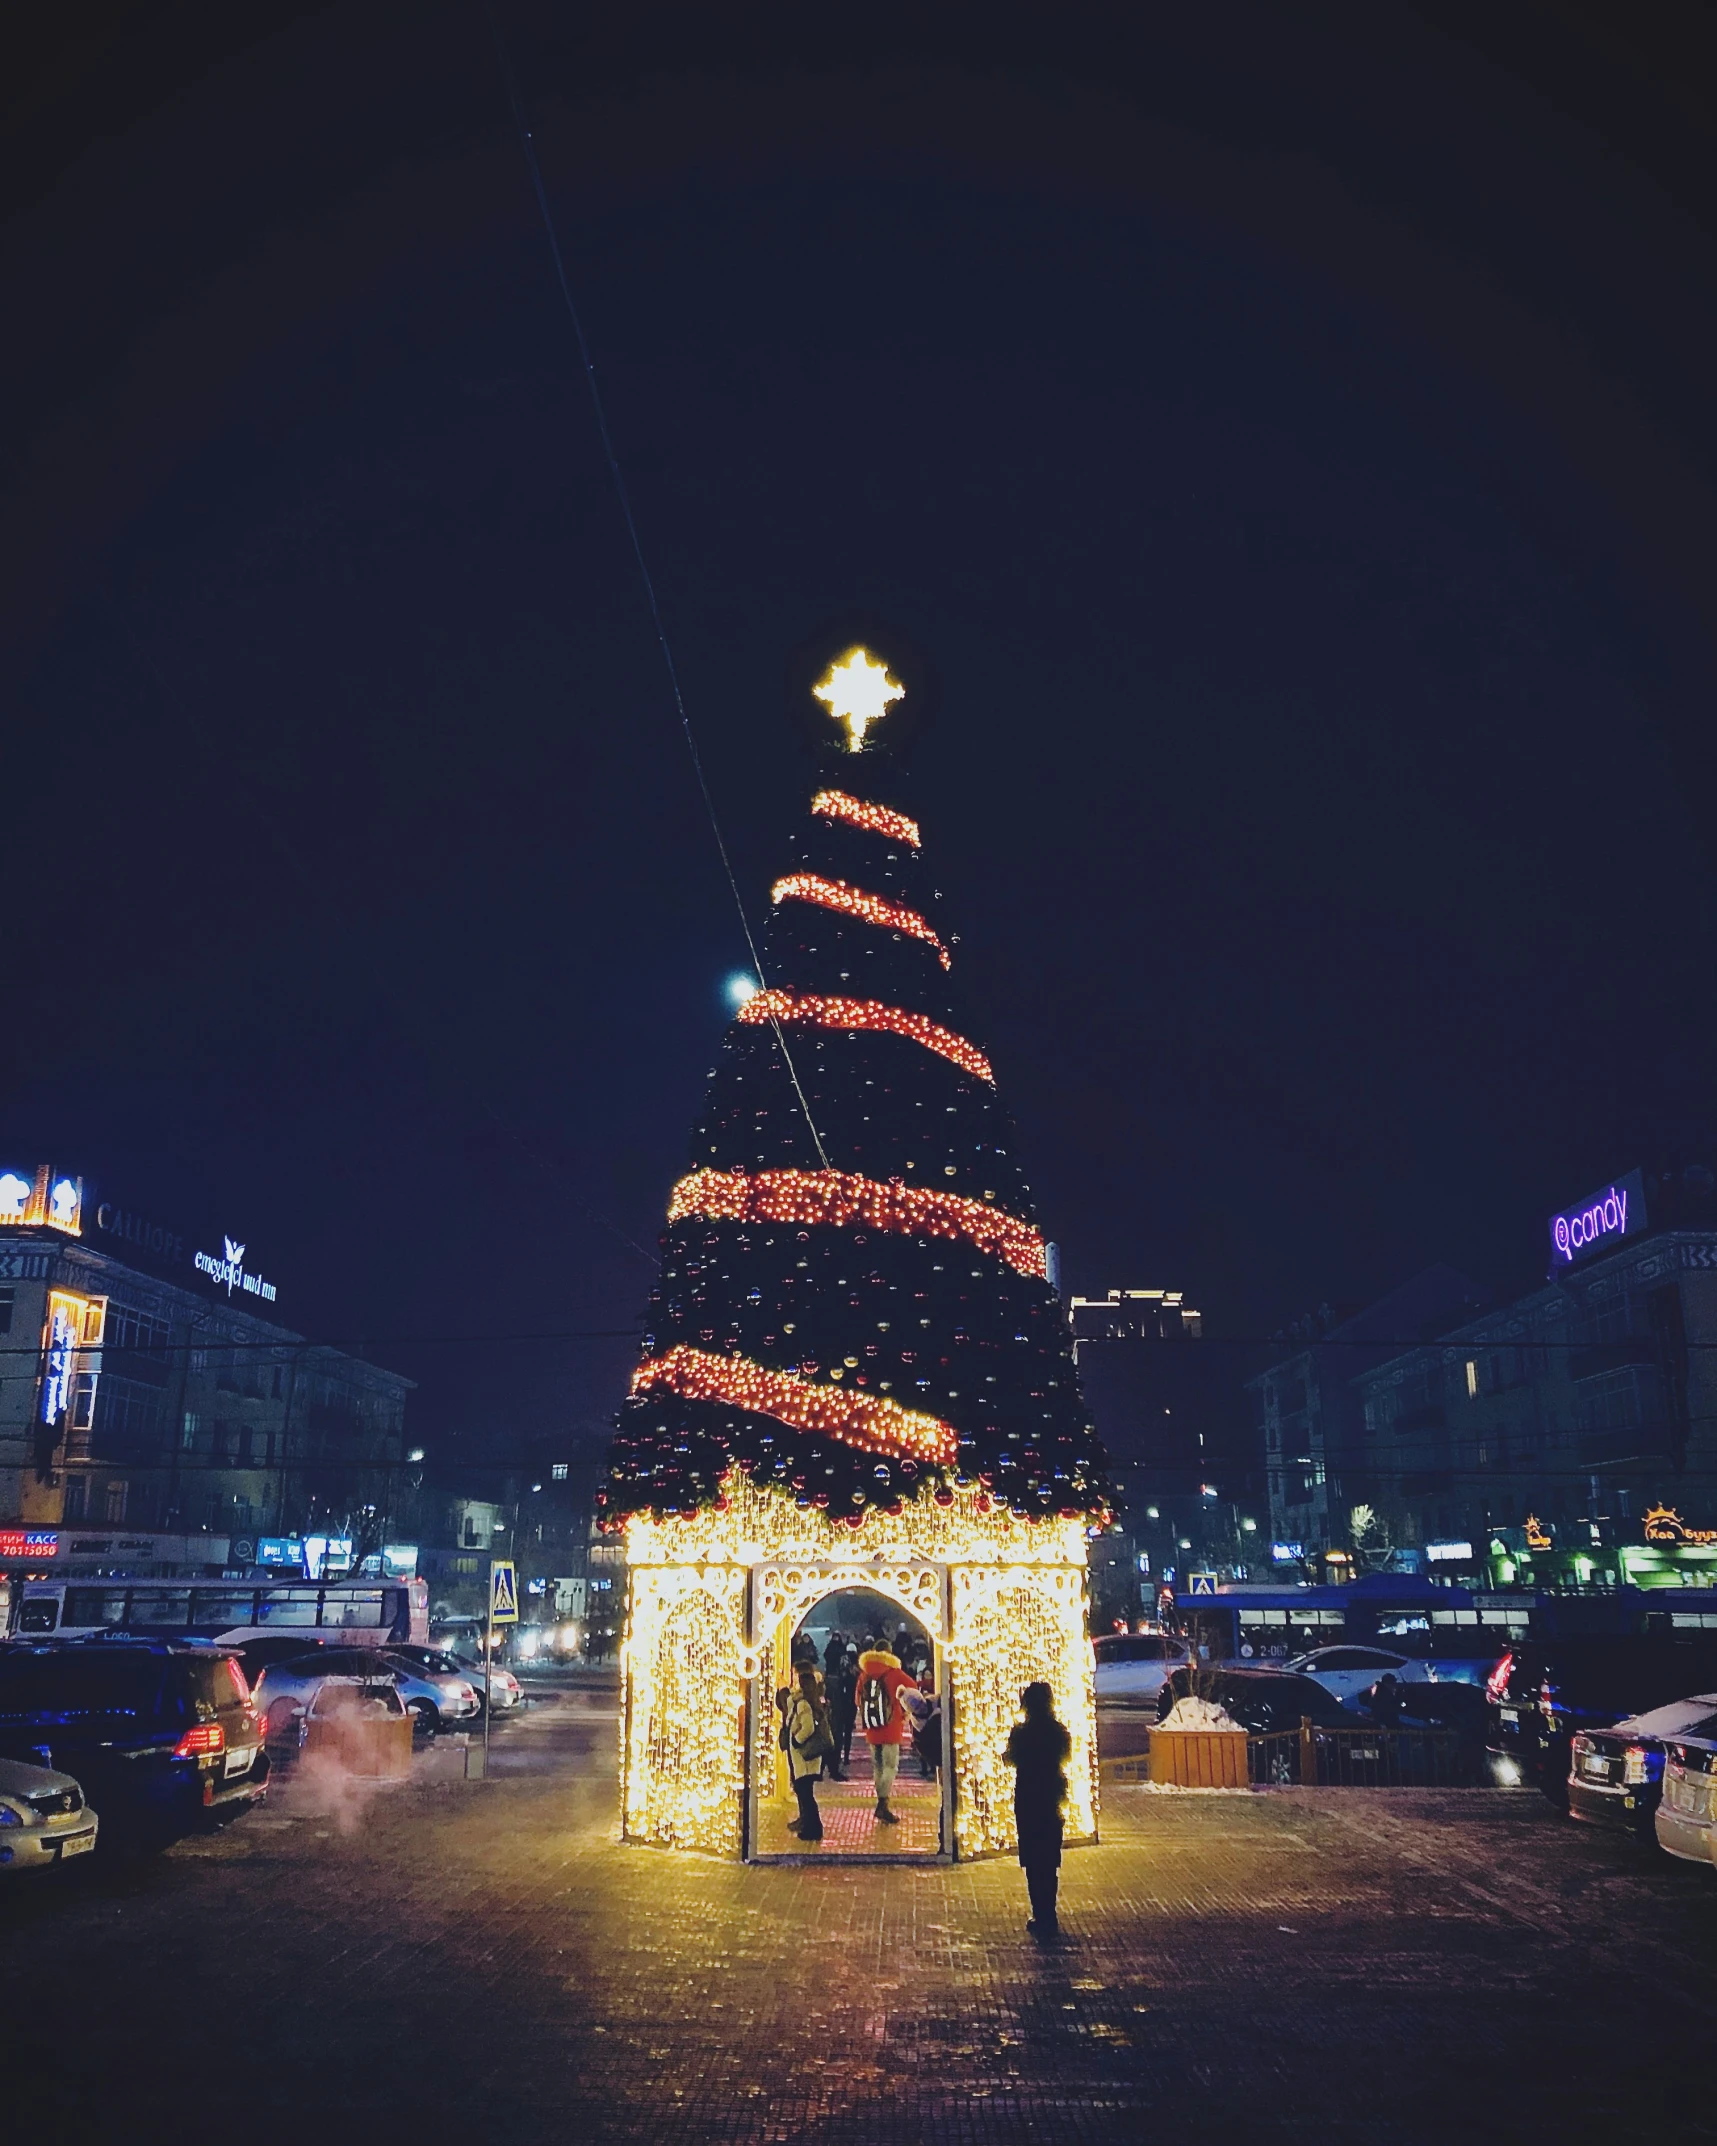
1546,1693
1263,1701
163,1740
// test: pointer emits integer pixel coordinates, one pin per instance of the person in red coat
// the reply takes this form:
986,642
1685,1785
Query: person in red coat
882,1717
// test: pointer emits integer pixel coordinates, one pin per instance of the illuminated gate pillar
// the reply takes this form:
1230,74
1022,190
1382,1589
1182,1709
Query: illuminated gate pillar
713,1597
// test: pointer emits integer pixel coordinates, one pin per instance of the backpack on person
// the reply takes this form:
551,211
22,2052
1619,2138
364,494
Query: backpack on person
877,1710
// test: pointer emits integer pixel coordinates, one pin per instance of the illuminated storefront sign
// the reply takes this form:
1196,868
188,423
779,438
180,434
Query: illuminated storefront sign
285,1552
1287,1553
46,1197
326,1556
1663,1523
1449,1553
229,1273
29,1542
1598,1223
68,1389
1538,1535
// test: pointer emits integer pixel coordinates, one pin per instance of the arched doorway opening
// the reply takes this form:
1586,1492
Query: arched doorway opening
852,1620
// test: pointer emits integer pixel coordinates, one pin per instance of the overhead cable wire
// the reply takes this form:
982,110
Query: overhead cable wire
605,433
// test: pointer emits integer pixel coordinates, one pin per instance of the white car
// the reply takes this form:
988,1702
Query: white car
1135,1665
1687,1813
508,1691
437,1662
43,1818
1345,1672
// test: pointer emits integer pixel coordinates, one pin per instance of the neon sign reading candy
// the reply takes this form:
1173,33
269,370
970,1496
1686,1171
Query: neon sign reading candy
1608,1216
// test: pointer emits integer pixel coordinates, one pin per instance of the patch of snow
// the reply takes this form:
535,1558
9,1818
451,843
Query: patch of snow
1190,1713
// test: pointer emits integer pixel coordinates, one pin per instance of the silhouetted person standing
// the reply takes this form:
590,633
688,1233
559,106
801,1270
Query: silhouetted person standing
1037,1750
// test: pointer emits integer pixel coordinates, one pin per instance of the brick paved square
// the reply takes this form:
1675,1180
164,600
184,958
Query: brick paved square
457,1960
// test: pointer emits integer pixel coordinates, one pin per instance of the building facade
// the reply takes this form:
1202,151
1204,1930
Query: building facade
1310,1414
147,1387
1571,1435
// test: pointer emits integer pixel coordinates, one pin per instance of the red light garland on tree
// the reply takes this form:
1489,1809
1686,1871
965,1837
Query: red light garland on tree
856,1013
854,902
840,1197
874,819
870,1421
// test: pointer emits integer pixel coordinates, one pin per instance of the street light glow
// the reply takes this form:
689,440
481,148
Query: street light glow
741,987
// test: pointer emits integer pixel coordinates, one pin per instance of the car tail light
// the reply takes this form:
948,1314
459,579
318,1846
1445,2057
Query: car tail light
206,1737
1496,1684
1636,1765
1547,1701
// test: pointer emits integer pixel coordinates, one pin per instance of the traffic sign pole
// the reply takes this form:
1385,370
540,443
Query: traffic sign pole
488,1672
503,1609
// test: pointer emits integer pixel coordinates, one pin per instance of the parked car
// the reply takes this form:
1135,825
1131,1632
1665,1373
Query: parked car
256,1655
1132,1665
1261,1700
1463,1707
1542,1695
436,1695
434,1661
164,1740
1615,1775
1457,1709
43,1818
1686,1818
1348,1671
287,1688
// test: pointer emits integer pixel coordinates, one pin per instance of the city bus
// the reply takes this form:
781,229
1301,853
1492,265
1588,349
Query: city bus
356,1612
1261,1627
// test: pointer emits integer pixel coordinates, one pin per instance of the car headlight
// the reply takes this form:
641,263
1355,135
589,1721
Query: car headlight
9,1817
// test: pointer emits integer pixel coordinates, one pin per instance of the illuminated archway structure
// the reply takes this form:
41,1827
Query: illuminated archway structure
714,1596
856,1373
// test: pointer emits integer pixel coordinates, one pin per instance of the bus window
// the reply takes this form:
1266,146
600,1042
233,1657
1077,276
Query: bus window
95,1607
163,1609
351,1609
220,1612
287,1607
38,1613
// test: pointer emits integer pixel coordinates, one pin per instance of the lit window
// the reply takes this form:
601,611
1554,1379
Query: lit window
1472,1379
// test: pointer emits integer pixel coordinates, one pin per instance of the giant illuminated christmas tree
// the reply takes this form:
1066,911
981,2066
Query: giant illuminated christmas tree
853,1305
853,1352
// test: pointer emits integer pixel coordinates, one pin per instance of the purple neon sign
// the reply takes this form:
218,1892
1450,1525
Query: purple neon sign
1598,1223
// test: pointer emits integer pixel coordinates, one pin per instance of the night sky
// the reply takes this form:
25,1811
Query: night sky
1276,446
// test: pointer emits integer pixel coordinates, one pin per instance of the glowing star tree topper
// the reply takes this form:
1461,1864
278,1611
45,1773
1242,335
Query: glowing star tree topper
857,690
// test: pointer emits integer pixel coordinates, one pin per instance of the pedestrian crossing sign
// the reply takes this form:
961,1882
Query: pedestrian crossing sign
503,1591
1203,1583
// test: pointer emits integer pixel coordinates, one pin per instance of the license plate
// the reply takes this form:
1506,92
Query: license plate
1509,1713
77,1844
238,1762
1598,1768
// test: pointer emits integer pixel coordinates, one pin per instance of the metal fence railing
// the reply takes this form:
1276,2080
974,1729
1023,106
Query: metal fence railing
1390,1758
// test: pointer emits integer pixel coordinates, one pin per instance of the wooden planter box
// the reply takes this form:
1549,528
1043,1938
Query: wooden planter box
1200,1758
376,1747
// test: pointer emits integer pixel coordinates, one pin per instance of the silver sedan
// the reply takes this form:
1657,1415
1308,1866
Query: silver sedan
43,1818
